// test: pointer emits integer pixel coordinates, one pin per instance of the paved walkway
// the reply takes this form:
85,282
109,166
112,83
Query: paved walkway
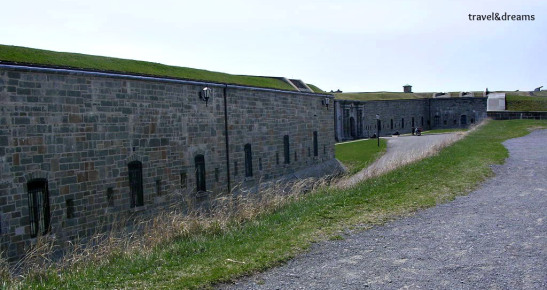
493,238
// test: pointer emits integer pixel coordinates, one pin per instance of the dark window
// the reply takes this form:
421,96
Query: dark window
436,121
158,187
38,203
412,121
324,149
422,121
309,152
295,157
135,183
402,122
110,196
183,179
235,168
248,160
391,124
315,144
444,122
200,172
286,149
277,158
472,120
463,120
259,163
69,208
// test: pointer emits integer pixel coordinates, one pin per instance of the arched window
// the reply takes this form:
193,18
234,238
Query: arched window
248,160
135,183
286,149
200,173
315,144
38,203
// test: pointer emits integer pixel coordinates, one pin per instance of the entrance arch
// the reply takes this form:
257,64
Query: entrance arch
352,127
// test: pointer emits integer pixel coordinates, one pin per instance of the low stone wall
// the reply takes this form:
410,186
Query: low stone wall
508,115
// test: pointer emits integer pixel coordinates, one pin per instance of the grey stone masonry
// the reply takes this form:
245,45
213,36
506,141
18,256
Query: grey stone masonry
357,119
67,138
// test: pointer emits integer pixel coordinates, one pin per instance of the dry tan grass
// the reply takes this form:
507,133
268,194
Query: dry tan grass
147,234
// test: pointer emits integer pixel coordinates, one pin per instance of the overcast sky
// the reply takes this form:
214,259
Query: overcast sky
337,44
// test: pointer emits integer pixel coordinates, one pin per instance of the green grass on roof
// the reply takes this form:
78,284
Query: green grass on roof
316,89
26,55
381,96
377,96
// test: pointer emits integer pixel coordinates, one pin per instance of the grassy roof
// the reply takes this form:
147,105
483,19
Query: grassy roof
380,96
376,96
26,55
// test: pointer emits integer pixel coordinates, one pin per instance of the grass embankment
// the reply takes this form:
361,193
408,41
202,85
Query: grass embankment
525,103
382,96
378,96
214,256
359,154
26,55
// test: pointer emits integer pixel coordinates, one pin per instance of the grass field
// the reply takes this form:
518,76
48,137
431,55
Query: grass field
26,55
516,102
220,253
358,154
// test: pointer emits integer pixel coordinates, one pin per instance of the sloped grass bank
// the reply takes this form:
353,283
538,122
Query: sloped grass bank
357,155
270,239
526,103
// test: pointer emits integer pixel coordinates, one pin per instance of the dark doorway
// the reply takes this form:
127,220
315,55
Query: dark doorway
315,144
248,160
135,183
463,120
352,127
38,203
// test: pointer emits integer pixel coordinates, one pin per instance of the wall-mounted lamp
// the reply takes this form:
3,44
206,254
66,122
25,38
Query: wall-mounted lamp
205,94
326,102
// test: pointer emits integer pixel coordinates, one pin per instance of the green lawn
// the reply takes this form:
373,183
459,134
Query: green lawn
26,55
359,154
516,102
203,259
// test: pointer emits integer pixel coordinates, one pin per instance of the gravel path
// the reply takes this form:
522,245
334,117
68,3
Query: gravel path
494,238
401,151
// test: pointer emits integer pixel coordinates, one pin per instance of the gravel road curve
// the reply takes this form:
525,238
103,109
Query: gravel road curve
493,238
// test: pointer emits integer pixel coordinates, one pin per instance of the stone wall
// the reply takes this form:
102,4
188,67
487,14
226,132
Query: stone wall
71,135
357,119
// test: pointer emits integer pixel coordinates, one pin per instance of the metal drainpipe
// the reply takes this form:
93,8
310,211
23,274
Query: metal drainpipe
227,139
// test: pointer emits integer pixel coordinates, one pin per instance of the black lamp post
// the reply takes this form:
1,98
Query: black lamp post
378,128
